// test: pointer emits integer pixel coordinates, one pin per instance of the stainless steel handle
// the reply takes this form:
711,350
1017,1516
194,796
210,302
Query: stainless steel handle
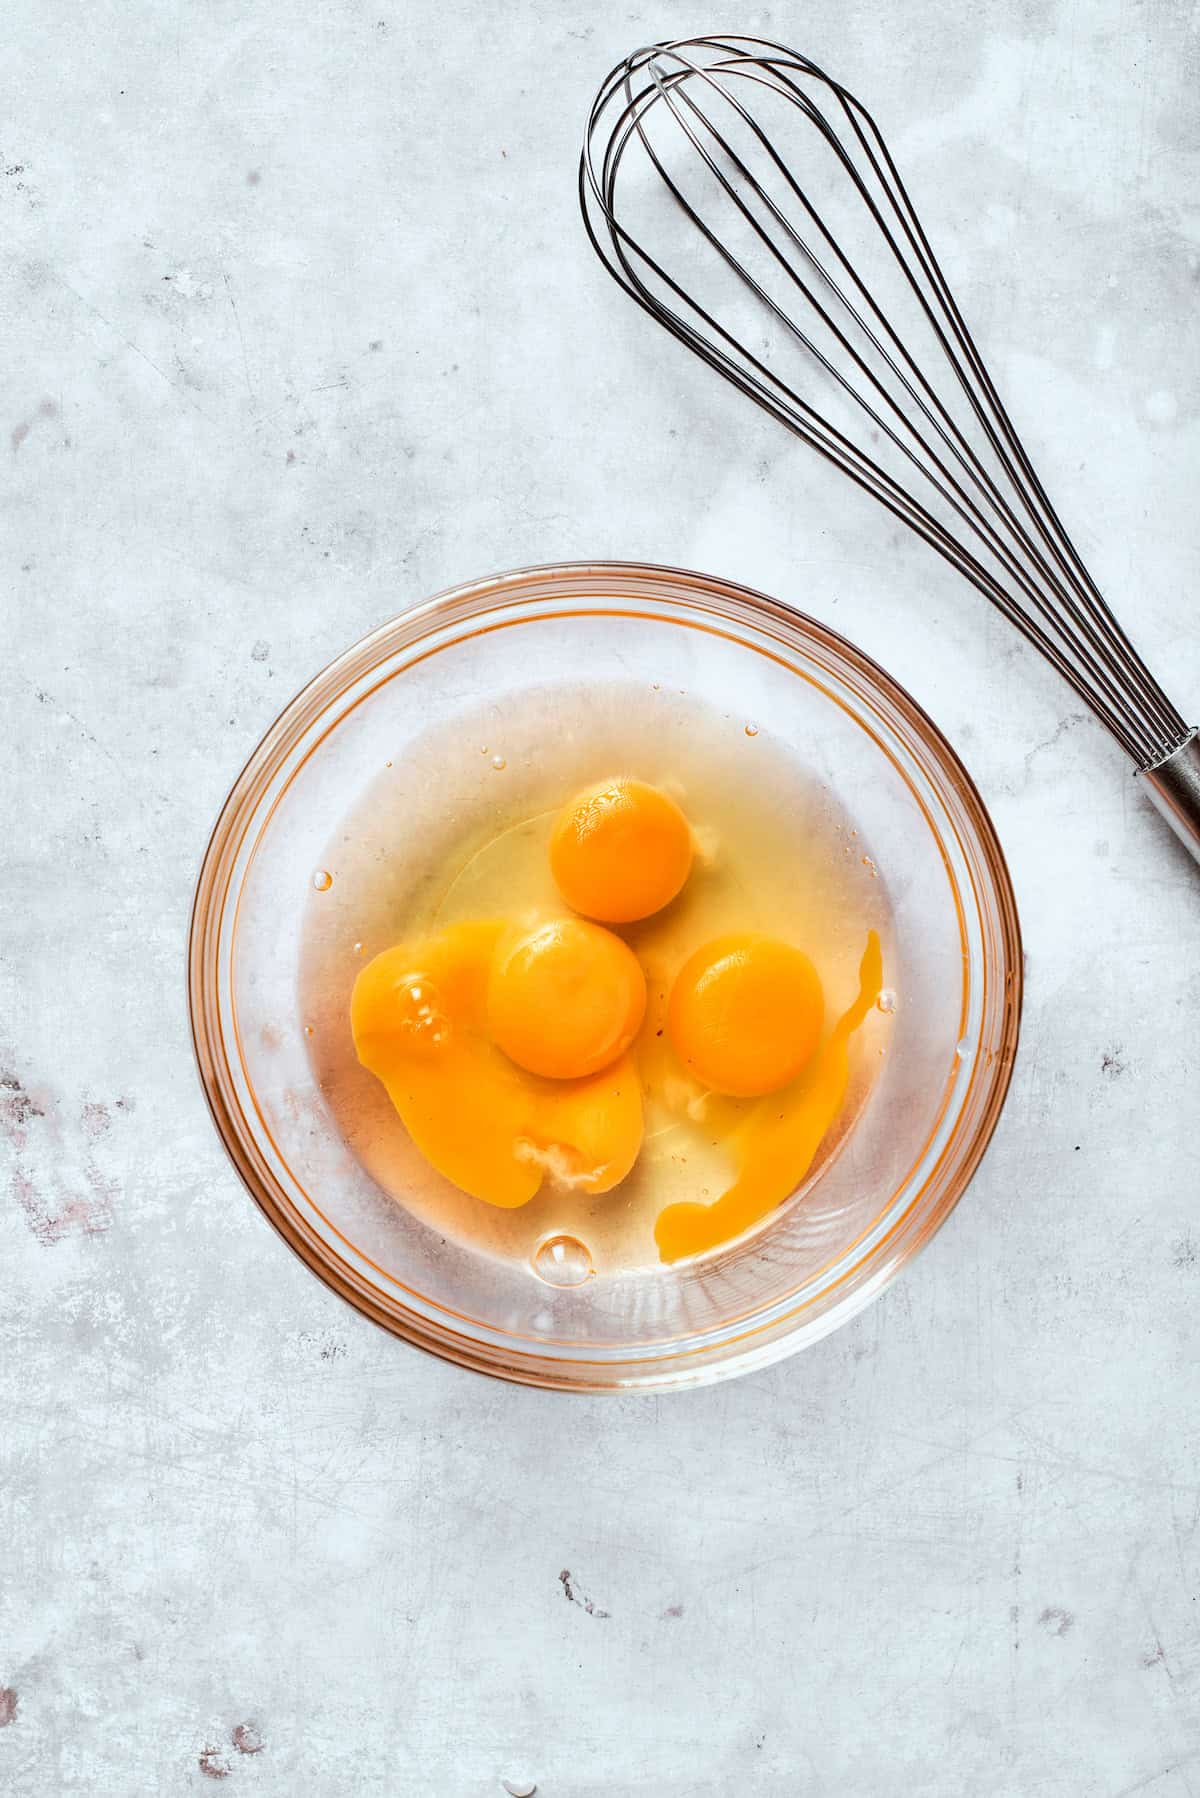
1174,787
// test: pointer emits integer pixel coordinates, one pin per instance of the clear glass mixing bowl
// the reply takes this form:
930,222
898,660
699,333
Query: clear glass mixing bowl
955,949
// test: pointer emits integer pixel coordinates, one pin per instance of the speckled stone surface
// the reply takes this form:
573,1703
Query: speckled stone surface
299,325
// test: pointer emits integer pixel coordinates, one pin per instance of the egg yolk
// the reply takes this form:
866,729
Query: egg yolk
776,1143
565,999
621,850
745,1014
419,1015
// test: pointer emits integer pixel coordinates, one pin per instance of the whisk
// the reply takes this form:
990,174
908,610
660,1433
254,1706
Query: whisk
816,293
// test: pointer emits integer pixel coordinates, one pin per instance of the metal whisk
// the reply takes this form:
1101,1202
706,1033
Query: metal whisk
748,202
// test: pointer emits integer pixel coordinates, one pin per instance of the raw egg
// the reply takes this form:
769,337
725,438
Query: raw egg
745,1014
420,1019
565,999
620,851
776,1141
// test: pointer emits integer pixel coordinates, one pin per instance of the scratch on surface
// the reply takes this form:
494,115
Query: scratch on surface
1014,1609
95,311
1158,1658
1050,1457
1152,1779
89,736
575,1597
241,338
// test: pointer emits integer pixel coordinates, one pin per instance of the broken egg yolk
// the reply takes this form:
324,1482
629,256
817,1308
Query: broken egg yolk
565,999
420,1016
620,851
745,1014
776,1142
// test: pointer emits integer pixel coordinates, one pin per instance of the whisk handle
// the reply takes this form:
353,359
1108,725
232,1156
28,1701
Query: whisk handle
1174,787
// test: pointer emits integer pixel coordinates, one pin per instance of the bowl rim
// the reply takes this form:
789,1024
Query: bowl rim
407,629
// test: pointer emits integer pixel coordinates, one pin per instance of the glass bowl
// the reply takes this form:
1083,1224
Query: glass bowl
954,961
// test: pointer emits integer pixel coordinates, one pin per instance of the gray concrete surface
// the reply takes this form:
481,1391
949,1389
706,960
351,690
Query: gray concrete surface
299,326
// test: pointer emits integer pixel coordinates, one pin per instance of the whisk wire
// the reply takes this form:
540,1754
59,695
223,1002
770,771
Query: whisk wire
947,432
961,504
948,486
1039,505
1037,578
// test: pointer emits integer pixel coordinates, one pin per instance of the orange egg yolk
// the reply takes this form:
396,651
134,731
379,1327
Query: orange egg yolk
420,1018
776,1142
745,1014
565,999
621,850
